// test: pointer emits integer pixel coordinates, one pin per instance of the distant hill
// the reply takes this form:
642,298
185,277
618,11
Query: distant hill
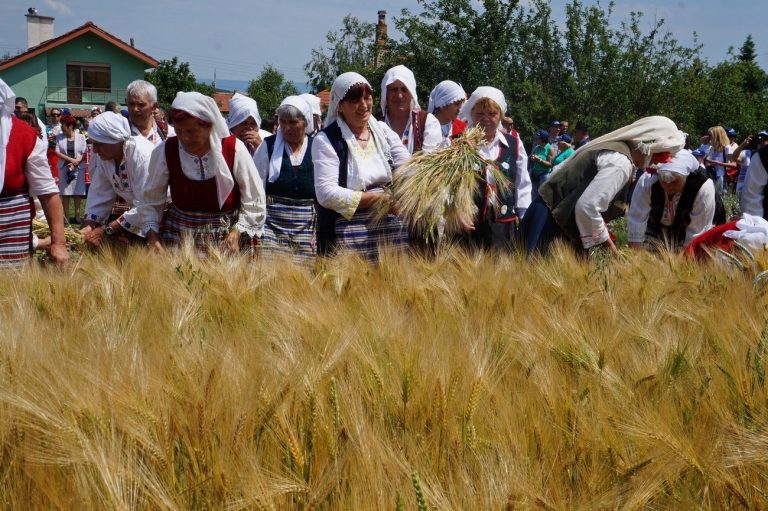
242,85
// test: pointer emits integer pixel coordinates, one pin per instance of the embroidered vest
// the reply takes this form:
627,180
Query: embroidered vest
507,201
564,188
294,182
21,143
682,219
418,121
201,196
326,218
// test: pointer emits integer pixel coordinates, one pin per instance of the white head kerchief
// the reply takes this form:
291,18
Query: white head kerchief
482,92
314,102
404,75
109,128
7,106
339,89
445,93
751,231
683,163
240,109
204,108
649,135
276,162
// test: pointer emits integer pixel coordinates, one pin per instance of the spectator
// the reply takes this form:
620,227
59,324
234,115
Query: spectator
718,157
141,98
95,111
564,125
112,106
554,134
70,149
542,155
507,125
21,105
581,135
565,149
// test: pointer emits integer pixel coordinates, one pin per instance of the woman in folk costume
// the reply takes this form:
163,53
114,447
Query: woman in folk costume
25,172
418,130
317,111
354,158
498,213
445,101
244,122
671,206
120,169
217,194
71,148
284,163
592,186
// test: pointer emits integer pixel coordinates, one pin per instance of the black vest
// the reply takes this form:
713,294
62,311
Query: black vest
294,182
507,164
676,231
326,218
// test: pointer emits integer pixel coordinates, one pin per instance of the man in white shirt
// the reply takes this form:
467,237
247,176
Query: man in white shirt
141,99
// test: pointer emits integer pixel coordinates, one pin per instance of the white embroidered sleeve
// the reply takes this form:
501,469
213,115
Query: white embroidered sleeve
253,203
613,173
329,194
261,161
640,208
754,187
703,211
433,134
154,194
38,171
101,193
523,181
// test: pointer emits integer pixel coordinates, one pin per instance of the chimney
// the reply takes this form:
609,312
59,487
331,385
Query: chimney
39,28
381,37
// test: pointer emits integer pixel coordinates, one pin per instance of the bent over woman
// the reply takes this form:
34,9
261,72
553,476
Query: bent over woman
215,192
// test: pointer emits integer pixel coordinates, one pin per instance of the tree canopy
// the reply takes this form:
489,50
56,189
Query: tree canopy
269,89
172,76
592,69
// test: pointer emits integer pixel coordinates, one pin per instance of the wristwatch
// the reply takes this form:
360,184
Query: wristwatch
108,230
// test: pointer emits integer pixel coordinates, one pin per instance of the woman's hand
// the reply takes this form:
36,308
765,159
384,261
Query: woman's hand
252,140
93,236
232,242
153,242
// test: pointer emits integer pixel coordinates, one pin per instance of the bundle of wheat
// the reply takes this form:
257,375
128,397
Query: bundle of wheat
440,187
73,237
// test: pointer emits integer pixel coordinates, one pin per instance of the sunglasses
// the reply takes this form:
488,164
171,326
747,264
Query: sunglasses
55,115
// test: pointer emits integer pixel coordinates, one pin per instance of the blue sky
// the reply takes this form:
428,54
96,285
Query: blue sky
239,37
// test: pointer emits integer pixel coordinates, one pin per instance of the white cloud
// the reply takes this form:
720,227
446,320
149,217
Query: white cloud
59,6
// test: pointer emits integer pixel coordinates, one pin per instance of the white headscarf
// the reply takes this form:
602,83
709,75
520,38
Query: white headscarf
204,108
7,106
109,128
276,162
683,163
341,86
314,102
482,92
404,75
649,135
339,89
445,93
241,108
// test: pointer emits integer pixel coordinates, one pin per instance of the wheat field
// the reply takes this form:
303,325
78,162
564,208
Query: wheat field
470,382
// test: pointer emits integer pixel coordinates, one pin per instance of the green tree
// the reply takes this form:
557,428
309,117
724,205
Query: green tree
269,90
352,48
747,53
172,76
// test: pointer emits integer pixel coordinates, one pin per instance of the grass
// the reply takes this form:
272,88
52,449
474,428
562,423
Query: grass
137,381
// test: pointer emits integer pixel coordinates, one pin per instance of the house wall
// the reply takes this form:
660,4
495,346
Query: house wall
28,80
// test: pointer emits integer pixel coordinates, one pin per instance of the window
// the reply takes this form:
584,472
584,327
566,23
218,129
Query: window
87,78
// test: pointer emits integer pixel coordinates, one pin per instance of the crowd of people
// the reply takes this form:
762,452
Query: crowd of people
314,187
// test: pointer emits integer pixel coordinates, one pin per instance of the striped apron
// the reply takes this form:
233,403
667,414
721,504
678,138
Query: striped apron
205,229
16,214
290,228
364,235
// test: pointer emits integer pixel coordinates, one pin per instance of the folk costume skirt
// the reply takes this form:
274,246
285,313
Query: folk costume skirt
366,236
290,228
204,229
16,214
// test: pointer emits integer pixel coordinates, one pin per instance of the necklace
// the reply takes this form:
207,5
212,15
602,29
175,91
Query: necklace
368,131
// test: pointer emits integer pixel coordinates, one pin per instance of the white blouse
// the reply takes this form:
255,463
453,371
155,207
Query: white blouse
754,187
127,180
372,173
154,194
433,134
614,170
640,209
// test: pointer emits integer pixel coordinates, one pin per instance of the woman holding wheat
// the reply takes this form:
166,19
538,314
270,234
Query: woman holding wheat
498,209
354,158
